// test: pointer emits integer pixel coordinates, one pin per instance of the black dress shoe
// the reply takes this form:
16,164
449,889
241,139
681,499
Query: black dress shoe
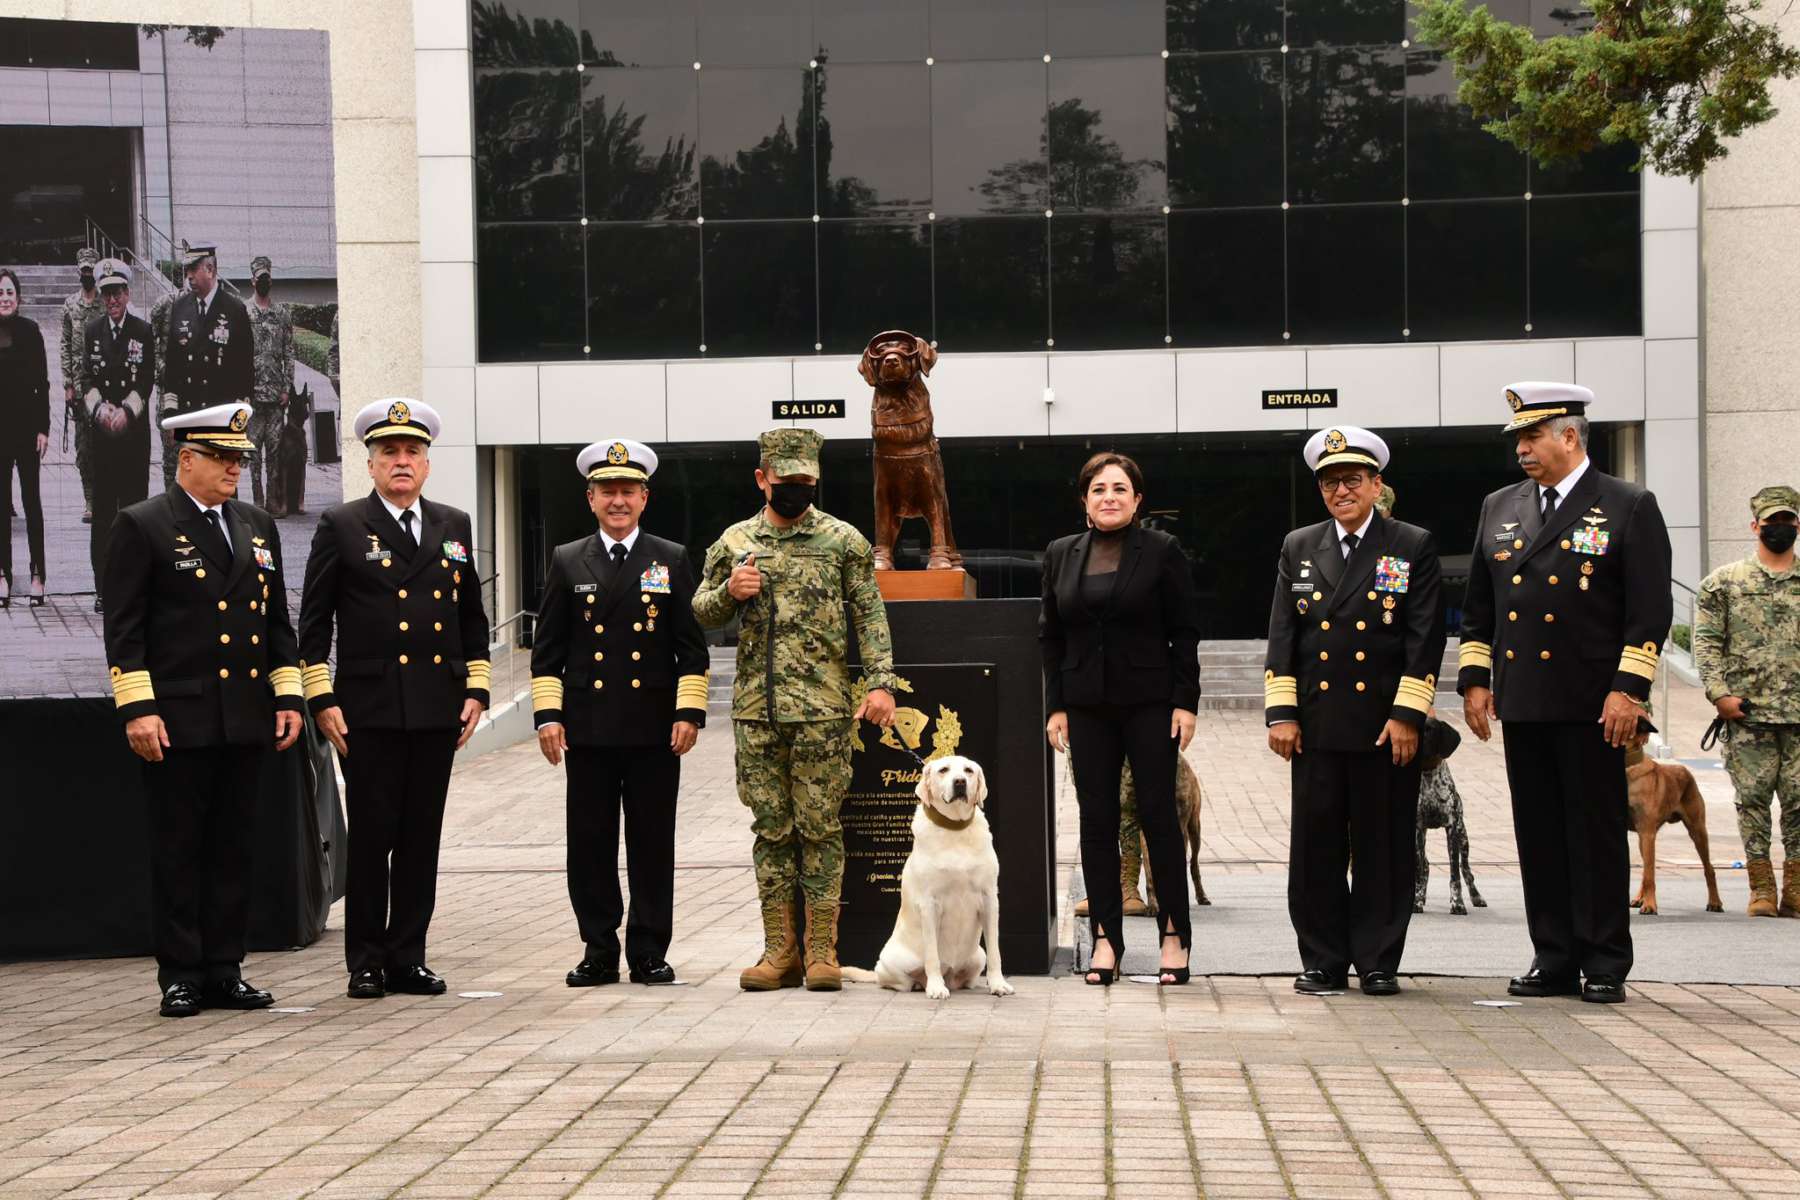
1535,983
591,972
1311,983
1379,983
235,993
1603,989
366,985
652,970
181,1000
416,980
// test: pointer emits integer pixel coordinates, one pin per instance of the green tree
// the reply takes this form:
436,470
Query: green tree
1676,77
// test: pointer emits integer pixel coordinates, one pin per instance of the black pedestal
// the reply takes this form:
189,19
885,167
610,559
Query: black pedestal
977,690
74,868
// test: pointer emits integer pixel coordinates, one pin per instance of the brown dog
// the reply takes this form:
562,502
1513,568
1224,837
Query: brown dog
909,470
1188,799
1663,793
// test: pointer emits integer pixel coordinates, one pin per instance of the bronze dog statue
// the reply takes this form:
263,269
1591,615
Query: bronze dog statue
909,471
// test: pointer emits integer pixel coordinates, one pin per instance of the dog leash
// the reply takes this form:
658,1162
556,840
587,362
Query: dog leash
1716,730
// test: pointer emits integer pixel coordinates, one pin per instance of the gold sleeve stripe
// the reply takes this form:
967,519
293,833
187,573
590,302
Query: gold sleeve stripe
1280,691
480,673
690,691
131,687
1414,693
315,680
1475,654
546,692
1641,663
285,681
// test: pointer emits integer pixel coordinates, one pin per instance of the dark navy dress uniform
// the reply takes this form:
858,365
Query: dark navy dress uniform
412,647
117,368
617,658
1559,613
1353,644
210,359
197,632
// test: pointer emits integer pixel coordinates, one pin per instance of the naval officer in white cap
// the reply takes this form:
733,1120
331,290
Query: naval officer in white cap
618,685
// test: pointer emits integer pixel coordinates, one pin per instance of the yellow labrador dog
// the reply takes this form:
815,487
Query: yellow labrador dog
949,891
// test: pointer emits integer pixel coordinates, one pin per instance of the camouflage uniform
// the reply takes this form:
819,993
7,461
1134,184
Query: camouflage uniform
1747,644
332,367
159,325
77,311
796,692
273,330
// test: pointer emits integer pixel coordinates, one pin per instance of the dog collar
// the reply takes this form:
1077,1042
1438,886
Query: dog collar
942,822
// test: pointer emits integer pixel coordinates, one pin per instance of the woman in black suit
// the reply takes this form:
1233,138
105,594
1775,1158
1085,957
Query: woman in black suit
24,433
1122,681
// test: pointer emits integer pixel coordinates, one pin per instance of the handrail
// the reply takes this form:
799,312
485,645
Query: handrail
1683,606
111,247
496,643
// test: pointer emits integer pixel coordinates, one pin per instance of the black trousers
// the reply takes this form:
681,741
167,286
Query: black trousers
24,456
1103,739
641,781
121,479
1571,809
1354,812
396,783
202,814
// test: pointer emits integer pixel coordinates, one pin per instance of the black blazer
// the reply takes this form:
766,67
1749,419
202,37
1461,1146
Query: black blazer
24,384
1141,647
412,635
1557,615
617,656
1354,644
203,641
213,361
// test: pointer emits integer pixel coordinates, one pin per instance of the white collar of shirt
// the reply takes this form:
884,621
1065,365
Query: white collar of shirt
224,523
116,326
629,541
1563,489
394,511
1362,531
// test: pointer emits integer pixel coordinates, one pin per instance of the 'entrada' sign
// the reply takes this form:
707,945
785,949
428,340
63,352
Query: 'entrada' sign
1312,398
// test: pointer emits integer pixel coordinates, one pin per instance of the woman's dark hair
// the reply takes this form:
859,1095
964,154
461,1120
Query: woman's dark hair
9,273
1103,460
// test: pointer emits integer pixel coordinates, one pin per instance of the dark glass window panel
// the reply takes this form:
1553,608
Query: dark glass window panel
527,145
1602,169
1223,24
874,152
1097,27
531,297
1585,270
873,275
1465,270
965,29
1226,285
1448,154
987,138
1224,129
756,33
991,277
759,288
640,130
756,143
871,30
1346,22
1345,276
523,33
640,33
1554,18
82,45
1107,278
1346,126
643,288
1107,139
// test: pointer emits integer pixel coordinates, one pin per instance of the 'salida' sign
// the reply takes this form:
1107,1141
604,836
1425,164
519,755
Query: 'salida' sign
1310,398
807,410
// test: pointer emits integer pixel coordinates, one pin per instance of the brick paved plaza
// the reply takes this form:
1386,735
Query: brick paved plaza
1233,1086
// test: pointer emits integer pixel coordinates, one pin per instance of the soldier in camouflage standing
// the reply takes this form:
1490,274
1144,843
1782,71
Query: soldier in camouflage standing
1747,647
273,327
78,309
789,571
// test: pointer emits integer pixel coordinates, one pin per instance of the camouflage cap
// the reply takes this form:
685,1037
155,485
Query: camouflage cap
87,256
260,265
791,451
1777,499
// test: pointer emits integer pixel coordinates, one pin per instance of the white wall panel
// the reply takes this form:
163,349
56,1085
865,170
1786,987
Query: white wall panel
447,313
1672,468
990,395
726,401
506,404
451,390
439,25
1378,386
1222,389
80,98
127,92
447,210
24,97
1113,393
206,86
836,378
453,479
1472,376
580,403
1684,546
1670,202
1672,378
1671,283
1614,369
446,102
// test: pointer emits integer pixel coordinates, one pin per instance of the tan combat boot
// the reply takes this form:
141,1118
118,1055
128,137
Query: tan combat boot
1790,888
780,964
1762,887
822,971
1130,860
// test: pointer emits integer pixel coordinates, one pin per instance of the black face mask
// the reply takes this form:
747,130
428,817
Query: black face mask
789,500
87,281
262,285
1778,538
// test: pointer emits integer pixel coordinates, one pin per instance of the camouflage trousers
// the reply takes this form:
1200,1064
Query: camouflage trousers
1764,761
84,457
793,776
266,421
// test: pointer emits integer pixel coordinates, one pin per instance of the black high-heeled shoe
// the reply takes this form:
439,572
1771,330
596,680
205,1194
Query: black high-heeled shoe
1100,976
1176,975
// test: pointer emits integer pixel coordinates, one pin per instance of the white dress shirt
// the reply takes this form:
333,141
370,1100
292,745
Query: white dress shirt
394,511
224,523
629,541
1361,532
1567,485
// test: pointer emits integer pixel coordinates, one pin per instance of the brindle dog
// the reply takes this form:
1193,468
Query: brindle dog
909,470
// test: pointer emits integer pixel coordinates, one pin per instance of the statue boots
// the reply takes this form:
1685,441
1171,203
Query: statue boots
1790,888
822,971
780,965
1762,887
